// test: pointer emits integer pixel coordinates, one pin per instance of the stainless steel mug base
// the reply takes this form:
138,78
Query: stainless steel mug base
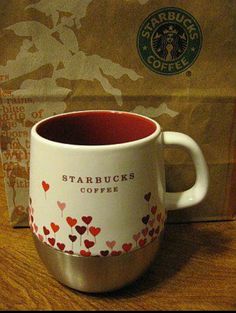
96,274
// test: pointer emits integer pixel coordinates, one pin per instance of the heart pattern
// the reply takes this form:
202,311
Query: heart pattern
88,233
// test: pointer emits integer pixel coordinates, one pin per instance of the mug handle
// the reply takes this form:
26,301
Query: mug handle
194,195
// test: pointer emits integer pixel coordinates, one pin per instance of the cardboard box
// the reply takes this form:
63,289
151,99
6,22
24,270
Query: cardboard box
173,61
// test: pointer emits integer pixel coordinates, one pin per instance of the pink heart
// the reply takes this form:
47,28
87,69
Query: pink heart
35,227
40,237
136,237
61,205
111,244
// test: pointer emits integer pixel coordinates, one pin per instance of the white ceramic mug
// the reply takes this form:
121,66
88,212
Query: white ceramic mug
97,193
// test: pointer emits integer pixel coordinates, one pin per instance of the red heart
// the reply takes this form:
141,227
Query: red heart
154,238
94,230
127,247
157,230
72,238
147,196
80,229
153,210
89,244
136,237
151,232
142,242
116,253
69,252
71,221
104,253
51,241
61,246
85,253
87,219
45,186
61,205
46,231
151,222
145,231
40,237
111,244
145,219
55,227
159,217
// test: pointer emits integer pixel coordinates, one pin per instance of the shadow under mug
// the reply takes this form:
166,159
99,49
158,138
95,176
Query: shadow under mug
97,195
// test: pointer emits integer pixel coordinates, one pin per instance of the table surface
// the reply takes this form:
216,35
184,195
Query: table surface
194,270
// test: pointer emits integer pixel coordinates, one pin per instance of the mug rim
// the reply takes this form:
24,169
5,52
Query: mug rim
141,141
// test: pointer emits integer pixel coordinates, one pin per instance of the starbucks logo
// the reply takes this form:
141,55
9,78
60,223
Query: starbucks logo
169,41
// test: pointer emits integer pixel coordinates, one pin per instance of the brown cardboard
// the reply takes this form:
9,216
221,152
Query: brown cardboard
81,54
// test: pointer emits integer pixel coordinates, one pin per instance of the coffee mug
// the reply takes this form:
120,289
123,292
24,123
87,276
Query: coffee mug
98,200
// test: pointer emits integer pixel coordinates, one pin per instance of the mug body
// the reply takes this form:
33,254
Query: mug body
97,197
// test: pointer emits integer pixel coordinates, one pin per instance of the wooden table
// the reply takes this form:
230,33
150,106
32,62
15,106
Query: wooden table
195,270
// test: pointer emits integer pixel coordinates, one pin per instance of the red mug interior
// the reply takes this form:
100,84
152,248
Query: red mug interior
96,128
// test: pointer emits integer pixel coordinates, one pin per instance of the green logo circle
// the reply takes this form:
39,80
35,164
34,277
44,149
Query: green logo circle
169,41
